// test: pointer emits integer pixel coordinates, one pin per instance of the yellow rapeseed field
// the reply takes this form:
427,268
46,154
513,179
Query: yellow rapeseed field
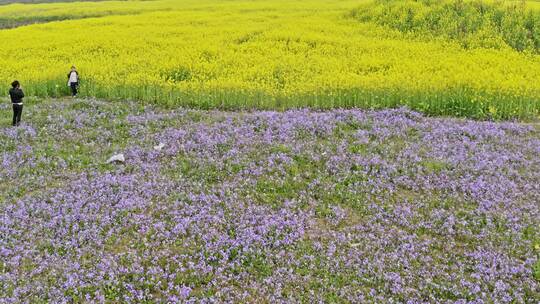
258,54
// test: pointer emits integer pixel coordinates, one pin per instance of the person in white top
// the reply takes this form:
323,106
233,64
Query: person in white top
73,81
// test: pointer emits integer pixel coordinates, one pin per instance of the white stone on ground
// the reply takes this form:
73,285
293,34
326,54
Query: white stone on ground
116,158
159,147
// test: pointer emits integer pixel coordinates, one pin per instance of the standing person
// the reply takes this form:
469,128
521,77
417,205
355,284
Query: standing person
73,81
17,95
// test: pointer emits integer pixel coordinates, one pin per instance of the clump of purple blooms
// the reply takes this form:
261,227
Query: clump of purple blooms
274,207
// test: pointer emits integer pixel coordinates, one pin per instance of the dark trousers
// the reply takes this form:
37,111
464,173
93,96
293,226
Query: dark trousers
17,112
74,86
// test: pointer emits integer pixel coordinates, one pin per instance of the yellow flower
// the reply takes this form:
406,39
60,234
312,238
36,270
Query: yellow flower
175,50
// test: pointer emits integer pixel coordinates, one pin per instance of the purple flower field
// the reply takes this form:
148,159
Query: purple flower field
343,206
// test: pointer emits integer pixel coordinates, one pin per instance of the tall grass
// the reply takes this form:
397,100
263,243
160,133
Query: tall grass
459,102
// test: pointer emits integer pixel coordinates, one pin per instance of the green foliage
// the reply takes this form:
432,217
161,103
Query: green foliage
257,265
435,166
178,75
471,23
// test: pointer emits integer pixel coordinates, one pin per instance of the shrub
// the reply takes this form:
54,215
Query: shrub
471,23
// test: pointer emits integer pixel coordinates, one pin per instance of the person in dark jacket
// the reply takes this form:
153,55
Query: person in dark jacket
16,93
73,81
